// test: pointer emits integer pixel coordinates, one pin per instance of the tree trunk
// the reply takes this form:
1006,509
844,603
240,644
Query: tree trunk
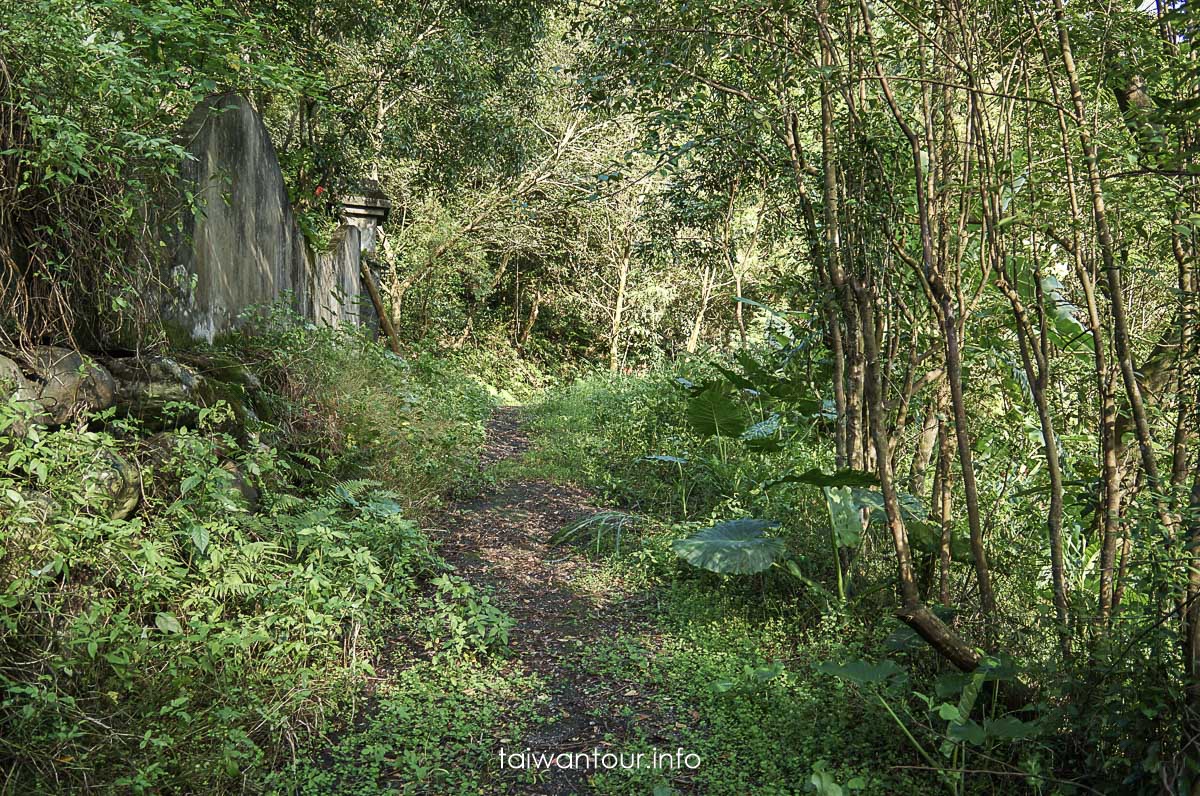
385,321
614,334
944,500
534,307
706,288
912,611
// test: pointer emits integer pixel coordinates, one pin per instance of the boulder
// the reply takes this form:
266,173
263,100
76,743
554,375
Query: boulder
146,385
112,485
13,384
158,451
243,485
71,383
11,378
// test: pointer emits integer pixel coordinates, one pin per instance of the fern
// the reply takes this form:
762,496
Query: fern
353,488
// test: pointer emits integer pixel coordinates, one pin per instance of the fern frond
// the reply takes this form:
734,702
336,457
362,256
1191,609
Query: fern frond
355,487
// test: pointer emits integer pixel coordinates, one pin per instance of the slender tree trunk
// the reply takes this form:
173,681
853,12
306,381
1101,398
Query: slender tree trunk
947,316
1107,249
706,287
926,444
1191,641
944,499
1036,367
385,320
966,461
1109,517
614,333
527,329
912,611
737,307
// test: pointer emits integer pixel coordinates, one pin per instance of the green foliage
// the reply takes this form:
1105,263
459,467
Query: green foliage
732,666
247,596
197,622
629,183
713,413
461,621
734,547
413,423
433,728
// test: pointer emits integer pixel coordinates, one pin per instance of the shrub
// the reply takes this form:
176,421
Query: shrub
178,647
414,423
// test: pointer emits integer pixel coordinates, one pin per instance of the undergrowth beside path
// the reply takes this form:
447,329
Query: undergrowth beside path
548,694
606,650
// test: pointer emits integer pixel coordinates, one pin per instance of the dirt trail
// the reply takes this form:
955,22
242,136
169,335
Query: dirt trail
498,539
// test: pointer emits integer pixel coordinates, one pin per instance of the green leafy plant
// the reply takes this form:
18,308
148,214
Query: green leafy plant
599,526
713,412
961,732
461,621
734,547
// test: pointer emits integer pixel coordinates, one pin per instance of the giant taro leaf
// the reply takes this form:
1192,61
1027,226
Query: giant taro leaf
925,536
911,507
715,412
845,515
737,379
863,672
1067,331
763,435
734,547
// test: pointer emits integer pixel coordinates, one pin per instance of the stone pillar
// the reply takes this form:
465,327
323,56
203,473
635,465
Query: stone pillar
367,210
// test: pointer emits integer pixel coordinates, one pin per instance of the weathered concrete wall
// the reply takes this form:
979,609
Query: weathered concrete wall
242,246
338,293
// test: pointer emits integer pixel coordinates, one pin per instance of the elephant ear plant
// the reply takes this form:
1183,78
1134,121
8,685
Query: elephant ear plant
741,547
734,547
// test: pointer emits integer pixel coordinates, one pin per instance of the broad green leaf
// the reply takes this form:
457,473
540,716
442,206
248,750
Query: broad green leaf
970,693
924,536
714,412
845,516
736,379
167,623
762,674
763,428
903,639
190,483
735,547
763,435
863,672
911,506
968,731
823,784
200,537
1011,729
815,477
